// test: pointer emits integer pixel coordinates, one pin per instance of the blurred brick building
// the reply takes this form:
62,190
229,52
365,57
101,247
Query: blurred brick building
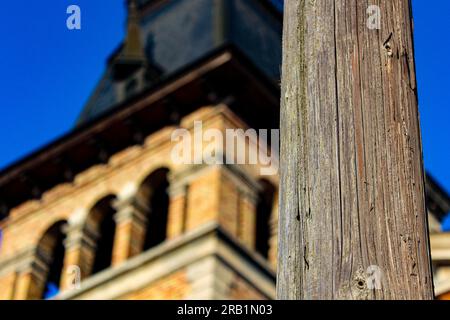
106,203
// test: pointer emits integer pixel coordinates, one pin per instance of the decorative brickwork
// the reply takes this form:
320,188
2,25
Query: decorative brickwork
199,195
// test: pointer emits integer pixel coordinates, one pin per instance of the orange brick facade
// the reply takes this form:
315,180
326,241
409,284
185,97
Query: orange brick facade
222,195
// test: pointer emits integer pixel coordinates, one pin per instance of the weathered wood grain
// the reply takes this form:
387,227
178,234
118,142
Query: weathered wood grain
352,179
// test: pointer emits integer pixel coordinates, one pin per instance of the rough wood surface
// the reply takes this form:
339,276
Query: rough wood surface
352,180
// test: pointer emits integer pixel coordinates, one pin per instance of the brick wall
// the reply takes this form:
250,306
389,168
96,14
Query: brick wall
199,194
173,287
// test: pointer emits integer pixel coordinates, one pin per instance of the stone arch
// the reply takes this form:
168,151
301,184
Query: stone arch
146,172
153,195
100,226
50,253
94,199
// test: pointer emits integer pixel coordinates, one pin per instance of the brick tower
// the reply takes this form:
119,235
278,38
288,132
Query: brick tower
106,205
105,213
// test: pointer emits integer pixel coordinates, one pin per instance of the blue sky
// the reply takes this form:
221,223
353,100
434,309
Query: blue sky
48,72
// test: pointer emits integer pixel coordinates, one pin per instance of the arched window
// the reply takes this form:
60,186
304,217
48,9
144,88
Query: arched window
263,217
154,195
51,252
101,221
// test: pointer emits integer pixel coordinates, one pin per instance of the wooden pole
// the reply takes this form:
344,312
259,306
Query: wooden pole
353,221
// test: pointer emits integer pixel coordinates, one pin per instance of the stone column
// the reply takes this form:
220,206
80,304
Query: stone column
80,244
31,276
131,219
247,230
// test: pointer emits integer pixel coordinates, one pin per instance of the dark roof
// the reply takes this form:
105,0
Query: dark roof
175,33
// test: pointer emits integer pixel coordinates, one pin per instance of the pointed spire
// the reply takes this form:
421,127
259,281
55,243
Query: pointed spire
133,47
132,56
